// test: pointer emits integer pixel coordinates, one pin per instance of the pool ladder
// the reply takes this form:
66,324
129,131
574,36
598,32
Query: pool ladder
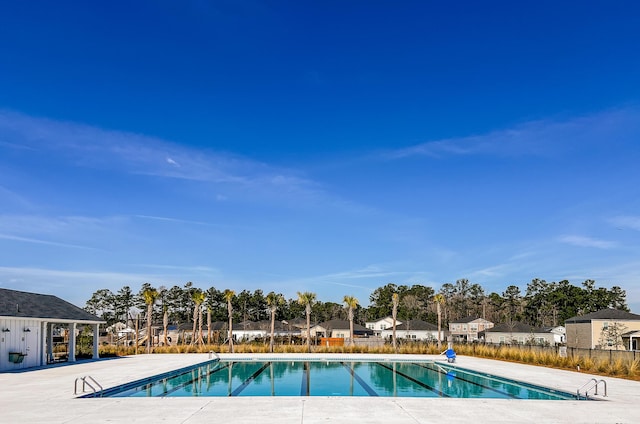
87,380
592,384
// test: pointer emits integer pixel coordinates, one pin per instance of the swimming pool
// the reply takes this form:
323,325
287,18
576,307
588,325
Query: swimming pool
252,377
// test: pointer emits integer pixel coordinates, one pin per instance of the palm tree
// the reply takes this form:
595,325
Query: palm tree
228,296
150,295
200,339
395,299
165,324
438,299
306,299
209,325
273,302
351,303
198,296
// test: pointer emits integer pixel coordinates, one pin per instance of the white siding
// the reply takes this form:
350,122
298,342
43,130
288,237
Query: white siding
413,334
20,341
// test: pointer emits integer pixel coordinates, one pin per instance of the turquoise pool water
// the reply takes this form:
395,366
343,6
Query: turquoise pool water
332,378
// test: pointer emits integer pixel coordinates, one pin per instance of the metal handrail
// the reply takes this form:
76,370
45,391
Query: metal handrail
212,354
604,383
89,384
75,386
592,383
86,383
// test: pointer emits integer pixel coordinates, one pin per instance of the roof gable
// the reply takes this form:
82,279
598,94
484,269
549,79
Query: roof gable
388,319
20,304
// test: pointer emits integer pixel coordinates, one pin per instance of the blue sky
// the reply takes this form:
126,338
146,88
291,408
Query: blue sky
332,147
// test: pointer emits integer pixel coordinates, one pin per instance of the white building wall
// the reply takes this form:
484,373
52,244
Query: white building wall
249,334
382,324
18,340
414,334
340,333
515,337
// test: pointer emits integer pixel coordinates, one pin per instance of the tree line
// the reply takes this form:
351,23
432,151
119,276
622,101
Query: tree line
542,303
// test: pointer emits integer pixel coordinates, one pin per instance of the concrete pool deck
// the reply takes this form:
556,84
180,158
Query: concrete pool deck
45,395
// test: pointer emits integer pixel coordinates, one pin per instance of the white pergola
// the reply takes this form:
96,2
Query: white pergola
47,333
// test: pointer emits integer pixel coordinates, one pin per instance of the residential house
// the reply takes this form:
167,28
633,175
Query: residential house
415,330
521,333
467,329
603,329
27,325
338,328
382,324
251,330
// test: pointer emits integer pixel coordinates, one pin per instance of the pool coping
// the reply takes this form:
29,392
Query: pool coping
46,396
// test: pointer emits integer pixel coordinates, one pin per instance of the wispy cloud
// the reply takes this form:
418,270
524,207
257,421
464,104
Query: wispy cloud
582,241
350,278
358,279
45,242
622,222
166,219
372,271
64,283
89,146
76,232
10,197
539,138
36,224
195,268
15,146
492,271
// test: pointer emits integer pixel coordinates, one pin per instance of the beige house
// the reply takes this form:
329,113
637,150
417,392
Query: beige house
467,329
604,329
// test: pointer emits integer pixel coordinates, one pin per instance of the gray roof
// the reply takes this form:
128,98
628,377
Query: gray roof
514,327
612,314
417,325
340,324
518,327
20,304
299,322
252,326
215,326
